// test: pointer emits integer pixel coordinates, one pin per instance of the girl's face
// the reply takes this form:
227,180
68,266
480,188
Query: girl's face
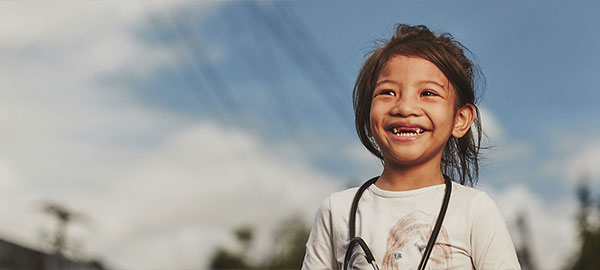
413,112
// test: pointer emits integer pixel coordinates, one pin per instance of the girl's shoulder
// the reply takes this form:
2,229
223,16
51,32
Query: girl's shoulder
478,202
462,188
340,198
468,193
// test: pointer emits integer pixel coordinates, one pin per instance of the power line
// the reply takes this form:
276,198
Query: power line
322,58
290,122
213,82
302,58
193,83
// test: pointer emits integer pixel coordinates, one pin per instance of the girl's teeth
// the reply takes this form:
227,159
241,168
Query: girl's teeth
396,131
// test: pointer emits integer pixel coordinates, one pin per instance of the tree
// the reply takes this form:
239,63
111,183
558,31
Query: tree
65,217
589,231
287,250
289,245
525,250
226,259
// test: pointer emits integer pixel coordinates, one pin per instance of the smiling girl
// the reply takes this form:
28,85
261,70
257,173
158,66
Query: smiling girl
414,102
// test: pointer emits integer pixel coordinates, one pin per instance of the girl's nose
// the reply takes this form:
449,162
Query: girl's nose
405,107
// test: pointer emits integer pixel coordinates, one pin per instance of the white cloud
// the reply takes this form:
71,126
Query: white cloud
366,161
574,158
210,179
503,148
510,151
584,164
551,223
183,198
490,126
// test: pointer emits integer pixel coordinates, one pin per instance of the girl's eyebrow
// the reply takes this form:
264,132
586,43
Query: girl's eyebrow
385,81
433,82
418,82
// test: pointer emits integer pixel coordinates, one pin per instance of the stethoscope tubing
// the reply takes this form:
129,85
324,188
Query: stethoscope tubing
368,254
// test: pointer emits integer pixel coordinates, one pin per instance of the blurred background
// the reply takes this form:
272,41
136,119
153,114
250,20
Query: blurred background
197,135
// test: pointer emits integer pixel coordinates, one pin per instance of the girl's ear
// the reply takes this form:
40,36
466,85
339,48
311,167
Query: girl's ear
463,119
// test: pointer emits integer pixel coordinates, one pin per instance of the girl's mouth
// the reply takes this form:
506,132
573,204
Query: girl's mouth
407,132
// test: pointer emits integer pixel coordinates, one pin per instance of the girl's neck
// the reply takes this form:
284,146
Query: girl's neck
409,178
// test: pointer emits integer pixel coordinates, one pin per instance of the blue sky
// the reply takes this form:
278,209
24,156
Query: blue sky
170,123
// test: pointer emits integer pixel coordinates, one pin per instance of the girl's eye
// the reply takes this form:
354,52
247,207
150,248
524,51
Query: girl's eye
428,93
387,92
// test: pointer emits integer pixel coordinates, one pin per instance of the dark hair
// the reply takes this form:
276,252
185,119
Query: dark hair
460,159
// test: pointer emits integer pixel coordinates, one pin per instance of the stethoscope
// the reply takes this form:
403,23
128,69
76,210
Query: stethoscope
368,254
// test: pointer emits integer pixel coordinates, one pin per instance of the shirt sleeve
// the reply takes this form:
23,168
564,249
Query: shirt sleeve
319,247
492,247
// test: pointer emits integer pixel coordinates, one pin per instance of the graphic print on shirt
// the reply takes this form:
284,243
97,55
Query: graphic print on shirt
407,240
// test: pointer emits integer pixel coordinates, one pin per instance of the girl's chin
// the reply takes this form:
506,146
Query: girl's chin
408,159
404,161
